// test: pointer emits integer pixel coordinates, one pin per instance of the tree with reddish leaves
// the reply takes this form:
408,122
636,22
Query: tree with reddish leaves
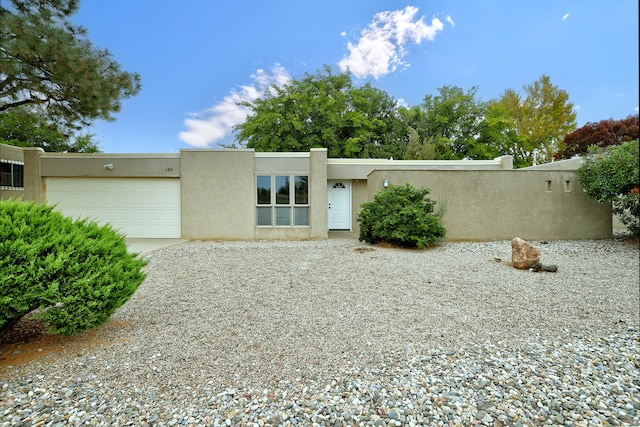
601,134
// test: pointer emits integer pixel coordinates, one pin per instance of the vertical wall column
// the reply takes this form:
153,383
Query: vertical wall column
318,189
34,188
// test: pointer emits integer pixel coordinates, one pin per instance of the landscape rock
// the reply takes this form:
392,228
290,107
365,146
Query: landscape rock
540,267
523,254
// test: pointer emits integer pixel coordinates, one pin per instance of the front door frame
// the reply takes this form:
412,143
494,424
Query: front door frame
331,198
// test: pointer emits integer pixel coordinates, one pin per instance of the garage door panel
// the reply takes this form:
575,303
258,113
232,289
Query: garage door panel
89,199
107,200
136,207
122,215
123,199
138,214
156,200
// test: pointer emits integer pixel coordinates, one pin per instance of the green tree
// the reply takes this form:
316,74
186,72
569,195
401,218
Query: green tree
451,119
541,119
23,128
612,175
427,148
48,64
324,110
499,136
420,144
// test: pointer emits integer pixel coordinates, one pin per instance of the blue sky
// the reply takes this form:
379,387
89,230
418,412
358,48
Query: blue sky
197,58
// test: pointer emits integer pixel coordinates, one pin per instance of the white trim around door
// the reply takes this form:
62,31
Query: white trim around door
339,204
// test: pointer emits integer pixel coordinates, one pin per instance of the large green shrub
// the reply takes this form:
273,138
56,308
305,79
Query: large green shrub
401,215
74,273
612,175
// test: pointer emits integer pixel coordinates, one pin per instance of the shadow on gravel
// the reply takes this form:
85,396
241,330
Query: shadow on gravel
29,341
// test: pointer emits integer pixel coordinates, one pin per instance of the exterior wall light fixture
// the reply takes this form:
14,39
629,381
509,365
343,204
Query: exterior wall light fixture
385,183
109,166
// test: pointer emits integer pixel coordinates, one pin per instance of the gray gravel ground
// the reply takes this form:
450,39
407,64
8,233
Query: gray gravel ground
337,333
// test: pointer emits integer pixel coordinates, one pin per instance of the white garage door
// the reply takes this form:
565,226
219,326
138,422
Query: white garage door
138,207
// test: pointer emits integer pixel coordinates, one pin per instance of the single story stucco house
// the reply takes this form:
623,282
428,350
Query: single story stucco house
245,195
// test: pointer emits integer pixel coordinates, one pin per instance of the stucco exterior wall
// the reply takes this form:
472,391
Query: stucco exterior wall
12,154
312,164
217,200
497,205
359,195
34,188
318,193
484,200
361,168
98,165
568,164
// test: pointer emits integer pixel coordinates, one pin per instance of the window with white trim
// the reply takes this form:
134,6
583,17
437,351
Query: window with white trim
11,174
282,200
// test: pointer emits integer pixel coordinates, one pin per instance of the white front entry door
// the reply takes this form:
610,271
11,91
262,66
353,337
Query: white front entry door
339,198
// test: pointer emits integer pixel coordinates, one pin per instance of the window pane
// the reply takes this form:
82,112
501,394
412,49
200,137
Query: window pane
18,175
282,190
264,216
264,190
302,190
5,174
301,216
283,216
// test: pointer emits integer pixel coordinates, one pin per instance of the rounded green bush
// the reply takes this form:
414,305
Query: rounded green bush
613,175
75,273
401,215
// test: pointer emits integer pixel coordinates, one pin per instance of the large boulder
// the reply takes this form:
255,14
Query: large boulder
523,255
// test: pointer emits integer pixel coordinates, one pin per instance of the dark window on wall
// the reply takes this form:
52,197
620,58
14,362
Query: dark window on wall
18,175
282,200
11,175
5,174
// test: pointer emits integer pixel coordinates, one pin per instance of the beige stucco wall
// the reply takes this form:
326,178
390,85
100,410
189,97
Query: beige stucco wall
10,152
34,188
217,197
98,165
496,205
484,200
219,193
13,154
568,164
313,164
359,195
318,193
361,168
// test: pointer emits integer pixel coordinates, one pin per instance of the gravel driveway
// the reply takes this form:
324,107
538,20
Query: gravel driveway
270,333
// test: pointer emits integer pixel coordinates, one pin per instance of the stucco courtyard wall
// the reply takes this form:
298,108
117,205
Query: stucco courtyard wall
359,195
495,205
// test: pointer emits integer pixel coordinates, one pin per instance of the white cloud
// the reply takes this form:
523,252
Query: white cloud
565,16
216,123
450,21
381,47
